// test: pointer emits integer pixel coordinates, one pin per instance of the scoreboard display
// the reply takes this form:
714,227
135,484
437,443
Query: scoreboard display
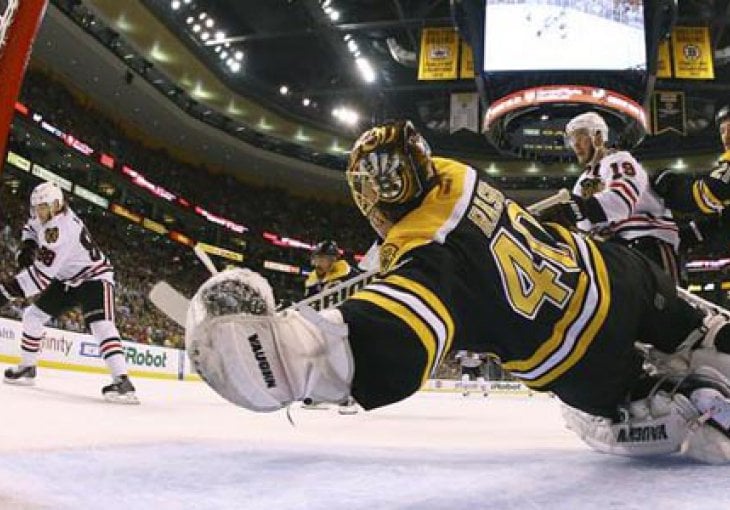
571,35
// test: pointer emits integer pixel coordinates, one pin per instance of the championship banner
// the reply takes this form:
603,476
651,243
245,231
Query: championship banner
664,60
669,112
692,53
464,112
466,62
439,54
221,252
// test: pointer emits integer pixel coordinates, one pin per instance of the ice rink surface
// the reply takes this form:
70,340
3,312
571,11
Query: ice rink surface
62,447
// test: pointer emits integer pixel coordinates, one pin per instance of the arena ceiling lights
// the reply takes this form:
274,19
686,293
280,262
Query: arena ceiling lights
362,63
205,28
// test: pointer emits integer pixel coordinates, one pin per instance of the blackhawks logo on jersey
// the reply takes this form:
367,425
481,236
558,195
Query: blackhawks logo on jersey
51,235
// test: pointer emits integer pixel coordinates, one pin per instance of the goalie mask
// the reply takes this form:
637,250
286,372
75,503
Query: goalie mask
389,172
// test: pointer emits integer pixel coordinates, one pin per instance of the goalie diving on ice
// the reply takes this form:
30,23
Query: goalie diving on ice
463,267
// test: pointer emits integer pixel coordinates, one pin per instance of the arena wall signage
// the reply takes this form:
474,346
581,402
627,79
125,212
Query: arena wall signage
79,352
551,94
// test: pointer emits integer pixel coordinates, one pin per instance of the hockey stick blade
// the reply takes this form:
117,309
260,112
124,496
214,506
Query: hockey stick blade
170,302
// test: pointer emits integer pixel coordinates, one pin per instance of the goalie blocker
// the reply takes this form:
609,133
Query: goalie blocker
462,267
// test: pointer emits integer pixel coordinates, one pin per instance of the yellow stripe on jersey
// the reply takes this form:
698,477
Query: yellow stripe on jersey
705,199
413,321
573,310
432,300
565,236
441,206
590,332
576,330
558,336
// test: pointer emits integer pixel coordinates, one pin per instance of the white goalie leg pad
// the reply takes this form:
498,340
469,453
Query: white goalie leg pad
698,350
706,354
260,360
656,425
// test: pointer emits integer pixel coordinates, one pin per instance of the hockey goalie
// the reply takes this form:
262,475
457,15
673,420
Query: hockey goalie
463,267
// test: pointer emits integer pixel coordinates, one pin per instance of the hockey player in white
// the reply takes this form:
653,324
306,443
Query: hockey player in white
60,262
472,367
612,198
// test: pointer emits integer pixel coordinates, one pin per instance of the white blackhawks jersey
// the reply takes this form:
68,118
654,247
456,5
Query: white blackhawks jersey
632,208
66,253
469,359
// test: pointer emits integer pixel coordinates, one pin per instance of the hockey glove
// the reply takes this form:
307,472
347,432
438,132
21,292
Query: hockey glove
9,290
566,213
27,253
667,184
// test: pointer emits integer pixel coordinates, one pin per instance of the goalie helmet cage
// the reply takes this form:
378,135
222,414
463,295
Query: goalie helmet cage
19,22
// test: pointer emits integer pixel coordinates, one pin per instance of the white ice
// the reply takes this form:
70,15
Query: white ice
520,37
62,447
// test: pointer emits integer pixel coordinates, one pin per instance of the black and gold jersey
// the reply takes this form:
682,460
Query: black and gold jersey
471,269
339,271
709,194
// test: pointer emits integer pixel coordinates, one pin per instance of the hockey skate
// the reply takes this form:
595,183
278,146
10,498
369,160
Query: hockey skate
120,391
348,407
311,405
20,375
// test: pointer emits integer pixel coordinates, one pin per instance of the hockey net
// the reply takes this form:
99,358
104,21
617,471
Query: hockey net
19,21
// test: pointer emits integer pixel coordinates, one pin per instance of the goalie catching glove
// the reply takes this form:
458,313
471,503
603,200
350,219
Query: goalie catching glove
260,359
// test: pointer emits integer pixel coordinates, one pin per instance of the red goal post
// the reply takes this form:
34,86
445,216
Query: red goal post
19,22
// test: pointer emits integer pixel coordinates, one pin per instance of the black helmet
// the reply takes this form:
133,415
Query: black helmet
722,115
390,169
327,247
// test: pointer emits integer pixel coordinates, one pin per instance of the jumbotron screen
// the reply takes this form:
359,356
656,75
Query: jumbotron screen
552,35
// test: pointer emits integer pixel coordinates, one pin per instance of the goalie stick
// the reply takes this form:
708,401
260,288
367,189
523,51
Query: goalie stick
175,305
